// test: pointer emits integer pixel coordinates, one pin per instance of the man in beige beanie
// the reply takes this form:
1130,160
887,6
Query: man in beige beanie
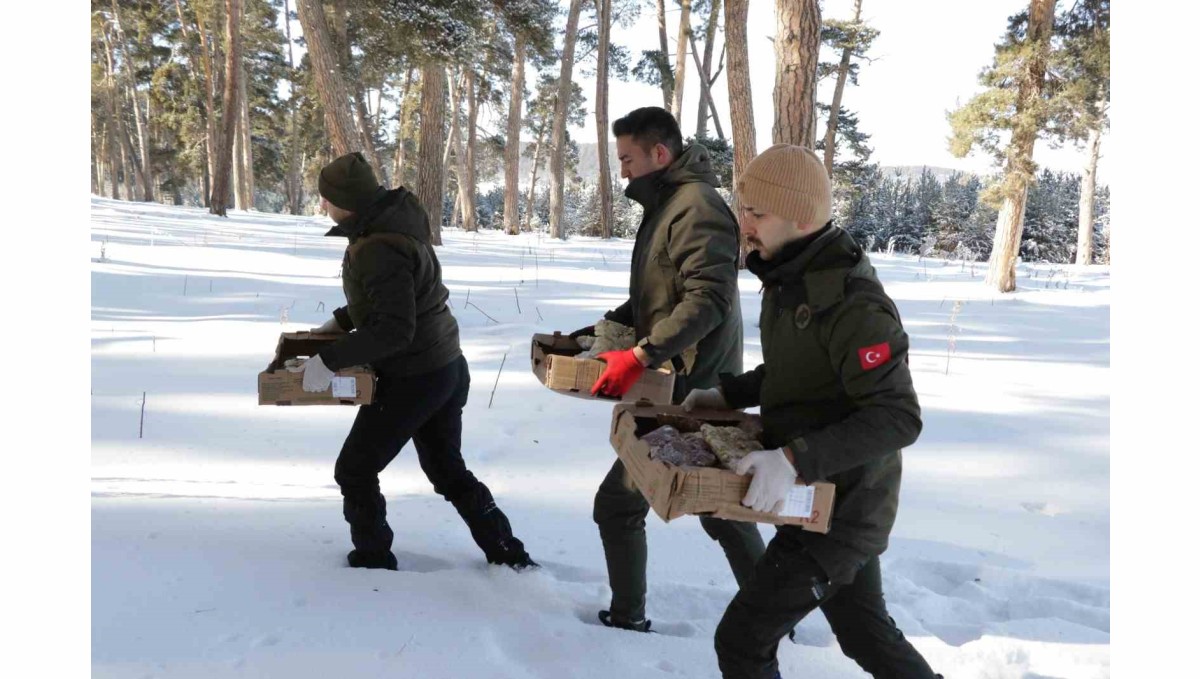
837,405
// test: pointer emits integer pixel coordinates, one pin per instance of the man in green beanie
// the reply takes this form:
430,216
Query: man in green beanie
838,404
396,319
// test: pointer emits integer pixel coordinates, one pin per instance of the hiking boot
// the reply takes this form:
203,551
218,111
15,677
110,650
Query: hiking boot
608,620
360,559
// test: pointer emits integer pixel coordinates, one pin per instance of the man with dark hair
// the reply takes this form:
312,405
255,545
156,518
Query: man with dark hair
649,126
396,319
683,305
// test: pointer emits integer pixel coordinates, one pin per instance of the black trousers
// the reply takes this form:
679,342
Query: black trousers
786,586
427,409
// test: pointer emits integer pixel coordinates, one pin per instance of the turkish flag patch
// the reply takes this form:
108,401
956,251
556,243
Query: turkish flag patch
874,356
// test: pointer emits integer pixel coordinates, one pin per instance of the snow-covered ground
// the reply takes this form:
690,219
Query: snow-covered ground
218,546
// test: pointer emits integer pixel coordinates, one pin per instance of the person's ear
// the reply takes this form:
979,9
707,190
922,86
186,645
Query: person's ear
662,155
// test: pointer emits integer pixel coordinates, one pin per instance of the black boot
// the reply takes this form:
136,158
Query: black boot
511,552
360,559
490,528
634,626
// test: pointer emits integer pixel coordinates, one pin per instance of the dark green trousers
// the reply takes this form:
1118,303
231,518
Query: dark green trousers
620,512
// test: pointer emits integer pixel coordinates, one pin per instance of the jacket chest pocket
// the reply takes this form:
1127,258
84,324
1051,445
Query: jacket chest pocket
795,350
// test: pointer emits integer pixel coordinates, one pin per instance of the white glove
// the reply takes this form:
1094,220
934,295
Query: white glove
330,327
711,399
773,477
316,376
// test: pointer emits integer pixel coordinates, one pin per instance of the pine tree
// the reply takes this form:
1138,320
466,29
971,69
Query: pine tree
229,110
1080,109
1016,102
528,24
853,38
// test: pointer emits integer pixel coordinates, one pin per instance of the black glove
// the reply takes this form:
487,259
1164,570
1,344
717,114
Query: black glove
590,331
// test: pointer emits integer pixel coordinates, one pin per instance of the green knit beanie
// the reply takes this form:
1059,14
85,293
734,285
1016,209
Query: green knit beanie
348,182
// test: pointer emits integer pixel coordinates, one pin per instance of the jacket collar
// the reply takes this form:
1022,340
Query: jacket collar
647,189
820,263
359,223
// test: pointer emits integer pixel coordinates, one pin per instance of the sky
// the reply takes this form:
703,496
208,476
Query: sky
925,62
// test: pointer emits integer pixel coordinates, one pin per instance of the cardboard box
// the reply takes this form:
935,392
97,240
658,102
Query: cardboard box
354,386
554,363
675,491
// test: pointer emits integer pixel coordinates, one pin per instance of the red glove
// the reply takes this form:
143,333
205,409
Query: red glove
623,370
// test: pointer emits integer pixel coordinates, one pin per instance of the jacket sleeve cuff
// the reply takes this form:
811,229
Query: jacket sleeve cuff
654,353
329,357
736,393
342,316
804,460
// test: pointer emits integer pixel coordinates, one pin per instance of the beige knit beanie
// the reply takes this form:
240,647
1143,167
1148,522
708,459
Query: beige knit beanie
788,181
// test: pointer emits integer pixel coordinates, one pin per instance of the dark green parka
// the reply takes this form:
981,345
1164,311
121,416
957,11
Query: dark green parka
835,388
683,292
395,300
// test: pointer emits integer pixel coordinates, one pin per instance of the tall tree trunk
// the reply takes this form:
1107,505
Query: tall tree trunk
706,98
114,160
368,133
343,136
145,166
455,85
512,142
456,144
125,148
196,71
229,108
741,105
207,57
292,183
467,187
558,142
236,168
247,139
115,107
797,48
366,130
1019,168
537,158
127,183
681,50
97,155
243,151
429,163
456,211
665,74
1087,200
142,167
835,109
604,14
703,72
402,116
205,177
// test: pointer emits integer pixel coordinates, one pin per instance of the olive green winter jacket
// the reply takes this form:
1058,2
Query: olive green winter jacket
683,293
835,388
